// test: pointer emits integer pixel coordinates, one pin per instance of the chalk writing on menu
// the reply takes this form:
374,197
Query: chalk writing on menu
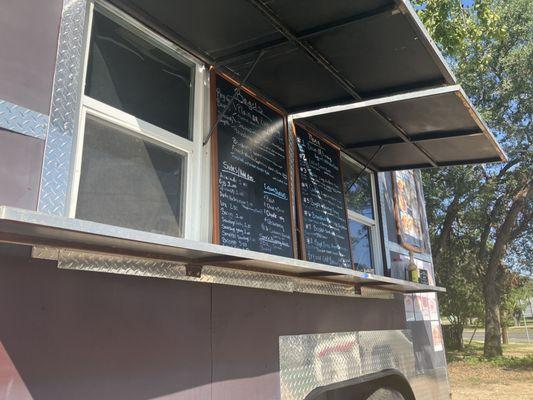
254,207
324,216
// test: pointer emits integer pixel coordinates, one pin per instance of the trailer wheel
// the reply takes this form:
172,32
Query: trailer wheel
386,394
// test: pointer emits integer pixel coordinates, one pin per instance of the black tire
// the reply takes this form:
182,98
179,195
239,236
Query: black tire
385,394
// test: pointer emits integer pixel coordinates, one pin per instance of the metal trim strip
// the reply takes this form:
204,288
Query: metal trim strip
136,266
64,110
417,94
22,120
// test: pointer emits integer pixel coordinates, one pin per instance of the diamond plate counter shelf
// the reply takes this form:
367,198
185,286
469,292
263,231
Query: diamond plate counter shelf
44,230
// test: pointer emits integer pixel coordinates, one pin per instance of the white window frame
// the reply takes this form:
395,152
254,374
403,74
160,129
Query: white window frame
194,221
373,224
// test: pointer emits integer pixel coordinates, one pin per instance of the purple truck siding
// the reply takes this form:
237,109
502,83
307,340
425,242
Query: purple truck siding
20,169
86,335
28,46
247,324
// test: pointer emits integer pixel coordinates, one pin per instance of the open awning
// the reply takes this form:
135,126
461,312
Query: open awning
304,55
433,127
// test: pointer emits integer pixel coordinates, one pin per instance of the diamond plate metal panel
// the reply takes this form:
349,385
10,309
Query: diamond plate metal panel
323,287
170,270
120,265
64,110
23,120
338,289
311,361
376,293
99,262
244,278
45,253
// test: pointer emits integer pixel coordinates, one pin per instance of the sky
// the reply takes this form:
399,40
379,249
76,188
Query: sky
466,3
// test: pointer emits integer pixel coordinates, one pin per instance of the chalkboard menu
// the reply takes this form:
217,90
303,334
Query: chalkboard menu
251,187
323,213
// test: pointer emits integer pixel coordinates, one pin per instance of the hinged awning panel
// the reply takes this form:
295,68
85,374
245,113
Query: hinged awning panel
377,46
409,130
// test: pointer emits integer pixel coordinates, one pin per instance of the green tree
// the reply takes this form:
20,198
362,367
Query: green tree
487,209
513,303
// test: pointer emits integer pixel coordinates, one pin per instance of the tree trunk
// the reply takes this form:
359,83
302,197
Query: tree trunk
453,336
493,345
493,276
505,334
444,237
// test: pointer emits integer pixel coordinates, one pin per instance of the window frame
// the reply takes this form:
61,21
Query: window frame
194,223
372,224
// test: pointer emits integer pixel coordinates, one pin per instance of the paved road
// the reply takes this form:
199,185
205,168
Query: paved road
514,337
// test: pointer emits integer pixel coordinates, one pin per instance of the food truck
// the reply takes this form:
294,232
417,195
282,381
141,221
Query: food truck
222,199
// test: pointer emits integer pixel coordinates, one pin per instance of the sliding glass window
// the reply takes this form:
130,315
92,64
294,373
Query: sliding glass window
359,191
136,139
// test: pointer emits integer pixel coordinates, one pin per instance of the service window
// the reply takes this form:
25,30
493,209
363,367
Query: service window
135,148
359,190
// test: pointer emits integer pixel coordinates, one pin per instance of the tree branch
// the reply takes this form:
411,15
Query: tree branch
504,233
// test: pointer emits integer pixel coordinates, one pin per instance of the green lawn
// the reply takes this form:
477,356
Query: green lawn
509,377
515,356
514,329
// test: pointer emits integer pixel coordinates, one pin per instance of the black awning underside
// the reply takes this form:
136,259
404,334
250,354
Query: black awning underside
308,54
435,126
375,45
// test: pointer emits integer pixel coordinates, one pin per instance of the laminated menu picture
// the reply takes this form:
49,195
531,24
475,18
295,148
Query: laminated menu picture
407,211
428,267
433,310
436,333
409,307
425,306
418,307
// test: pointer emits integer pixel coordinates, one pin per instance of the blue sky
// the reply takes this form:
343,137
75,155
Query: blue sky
466,3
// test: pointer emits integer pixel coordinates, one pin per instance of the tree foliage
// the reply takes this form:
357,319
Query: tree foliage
481,216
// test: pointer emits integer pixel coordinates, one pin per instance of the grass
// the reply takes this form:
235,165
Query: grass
516,356
473,377
511,329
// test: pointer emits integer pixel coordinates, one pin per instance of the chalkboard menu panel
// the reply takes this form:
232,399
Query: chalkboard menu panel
323,213
252,188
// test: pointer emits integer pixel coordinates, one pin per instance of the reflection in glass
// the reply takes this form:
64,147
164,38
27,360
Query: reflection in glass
129,182
133,74
361,246
357,189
